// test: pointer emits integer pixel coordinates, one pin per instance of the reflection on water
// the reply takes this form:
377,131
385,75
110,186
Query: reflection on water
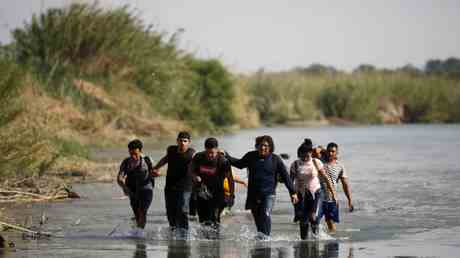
179,249
141,250
263,249
316,249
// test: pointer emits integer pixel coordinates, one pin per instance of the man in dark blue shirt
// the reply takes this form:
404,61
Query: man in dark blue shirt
264,167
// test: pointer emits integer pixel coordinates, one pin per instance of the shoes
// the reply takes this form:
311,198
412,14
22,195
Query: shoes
295,220
137,233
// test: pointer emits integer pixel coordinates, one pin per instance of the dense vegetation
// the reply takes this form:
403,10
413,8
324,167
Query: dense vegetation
83,75
368,95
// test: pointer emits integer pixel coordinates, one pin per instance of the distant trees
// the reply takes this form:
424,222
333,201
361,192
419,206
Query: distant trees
449,67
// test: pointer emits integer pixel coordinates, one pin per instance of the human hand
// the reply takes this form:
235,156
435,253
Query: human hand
351,208
198,179
155,172
126,191
294,198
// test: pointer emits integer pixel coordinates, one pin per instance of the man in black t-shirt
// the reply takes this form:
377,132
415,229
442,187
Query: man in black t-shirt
178,181
209,169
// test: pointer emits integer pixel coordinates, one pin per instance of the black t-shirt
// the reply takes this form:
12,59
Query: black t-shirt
211,172
177,177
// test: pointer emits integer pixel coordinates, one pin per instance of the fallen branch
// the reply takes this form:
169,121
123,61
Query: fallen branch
12,196
2,191
43,199
25,230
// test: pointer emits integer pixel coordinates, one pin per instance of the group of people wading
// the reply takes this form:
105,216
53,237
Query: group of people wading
311,182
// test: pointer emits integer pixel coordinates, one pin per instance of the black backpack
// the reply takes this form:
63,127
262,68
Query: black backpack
136,179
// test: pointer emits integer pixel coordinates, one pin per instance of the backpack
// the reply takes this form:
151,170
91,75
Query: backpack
135,180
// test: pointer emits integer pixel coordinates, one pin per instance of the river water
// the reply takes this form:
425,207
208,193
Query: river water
404,180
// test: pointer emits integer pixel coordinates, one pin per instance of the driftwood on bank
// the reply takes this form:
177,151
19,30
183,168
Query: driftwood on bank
36,234
14,196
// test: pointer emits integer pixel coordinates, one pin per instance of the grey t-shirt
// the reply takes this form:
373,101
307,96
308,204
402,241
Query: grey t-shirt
129,165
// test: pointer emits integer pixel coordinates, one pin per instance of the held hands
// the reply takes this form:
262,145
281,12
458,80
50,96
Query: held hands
294,198
126,190
155,172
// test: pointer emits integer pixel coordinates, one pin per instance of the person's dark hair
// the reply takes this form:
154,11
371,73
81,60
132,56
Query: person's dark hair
284,156
211,143
304,148
183,135
135,144
268,139
258,139
332,145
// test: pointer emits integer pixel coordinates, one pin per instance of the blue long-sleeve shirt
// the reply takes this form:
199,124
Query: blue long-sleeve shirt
263,174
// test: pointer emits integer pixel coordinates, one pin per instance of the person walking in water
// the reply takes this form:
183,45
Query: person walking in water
263,167
306,172
209,169
135,177
335,171
178,181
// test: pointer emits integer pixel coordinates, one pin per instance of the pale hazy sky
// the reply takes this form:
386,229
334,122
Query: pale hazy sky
281,34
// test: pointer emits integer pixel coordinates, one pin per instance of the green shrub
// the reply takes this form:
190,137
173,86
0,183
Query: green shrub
11,78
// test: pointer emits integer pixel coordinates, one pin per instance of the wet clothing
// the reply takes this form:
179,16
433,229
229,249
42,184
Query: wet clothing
178,186
262,214
308,209
307,184
138,181
329,208
330,211
177,208
210,193
262,181
142,200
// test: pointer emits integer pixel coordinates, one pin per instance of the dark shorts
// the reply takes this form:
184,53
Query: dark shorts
229,201
142,199
330,211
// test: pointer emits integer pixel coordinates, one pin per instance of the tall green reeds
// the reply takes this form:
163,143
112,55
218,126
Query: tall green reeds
113,46
361,97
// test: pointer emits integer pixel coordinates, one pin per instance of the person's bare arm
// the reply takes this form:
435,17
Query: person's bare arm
163,161
330,186
328,181
238,180
347,191
121,180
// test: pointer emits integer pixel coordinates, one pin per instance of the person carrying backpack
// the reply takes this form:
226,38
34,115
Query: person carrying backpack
135,177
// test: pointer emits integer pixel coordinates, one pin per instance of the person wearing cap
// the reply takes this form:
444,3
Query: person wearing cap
178,185
263,169
135,177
